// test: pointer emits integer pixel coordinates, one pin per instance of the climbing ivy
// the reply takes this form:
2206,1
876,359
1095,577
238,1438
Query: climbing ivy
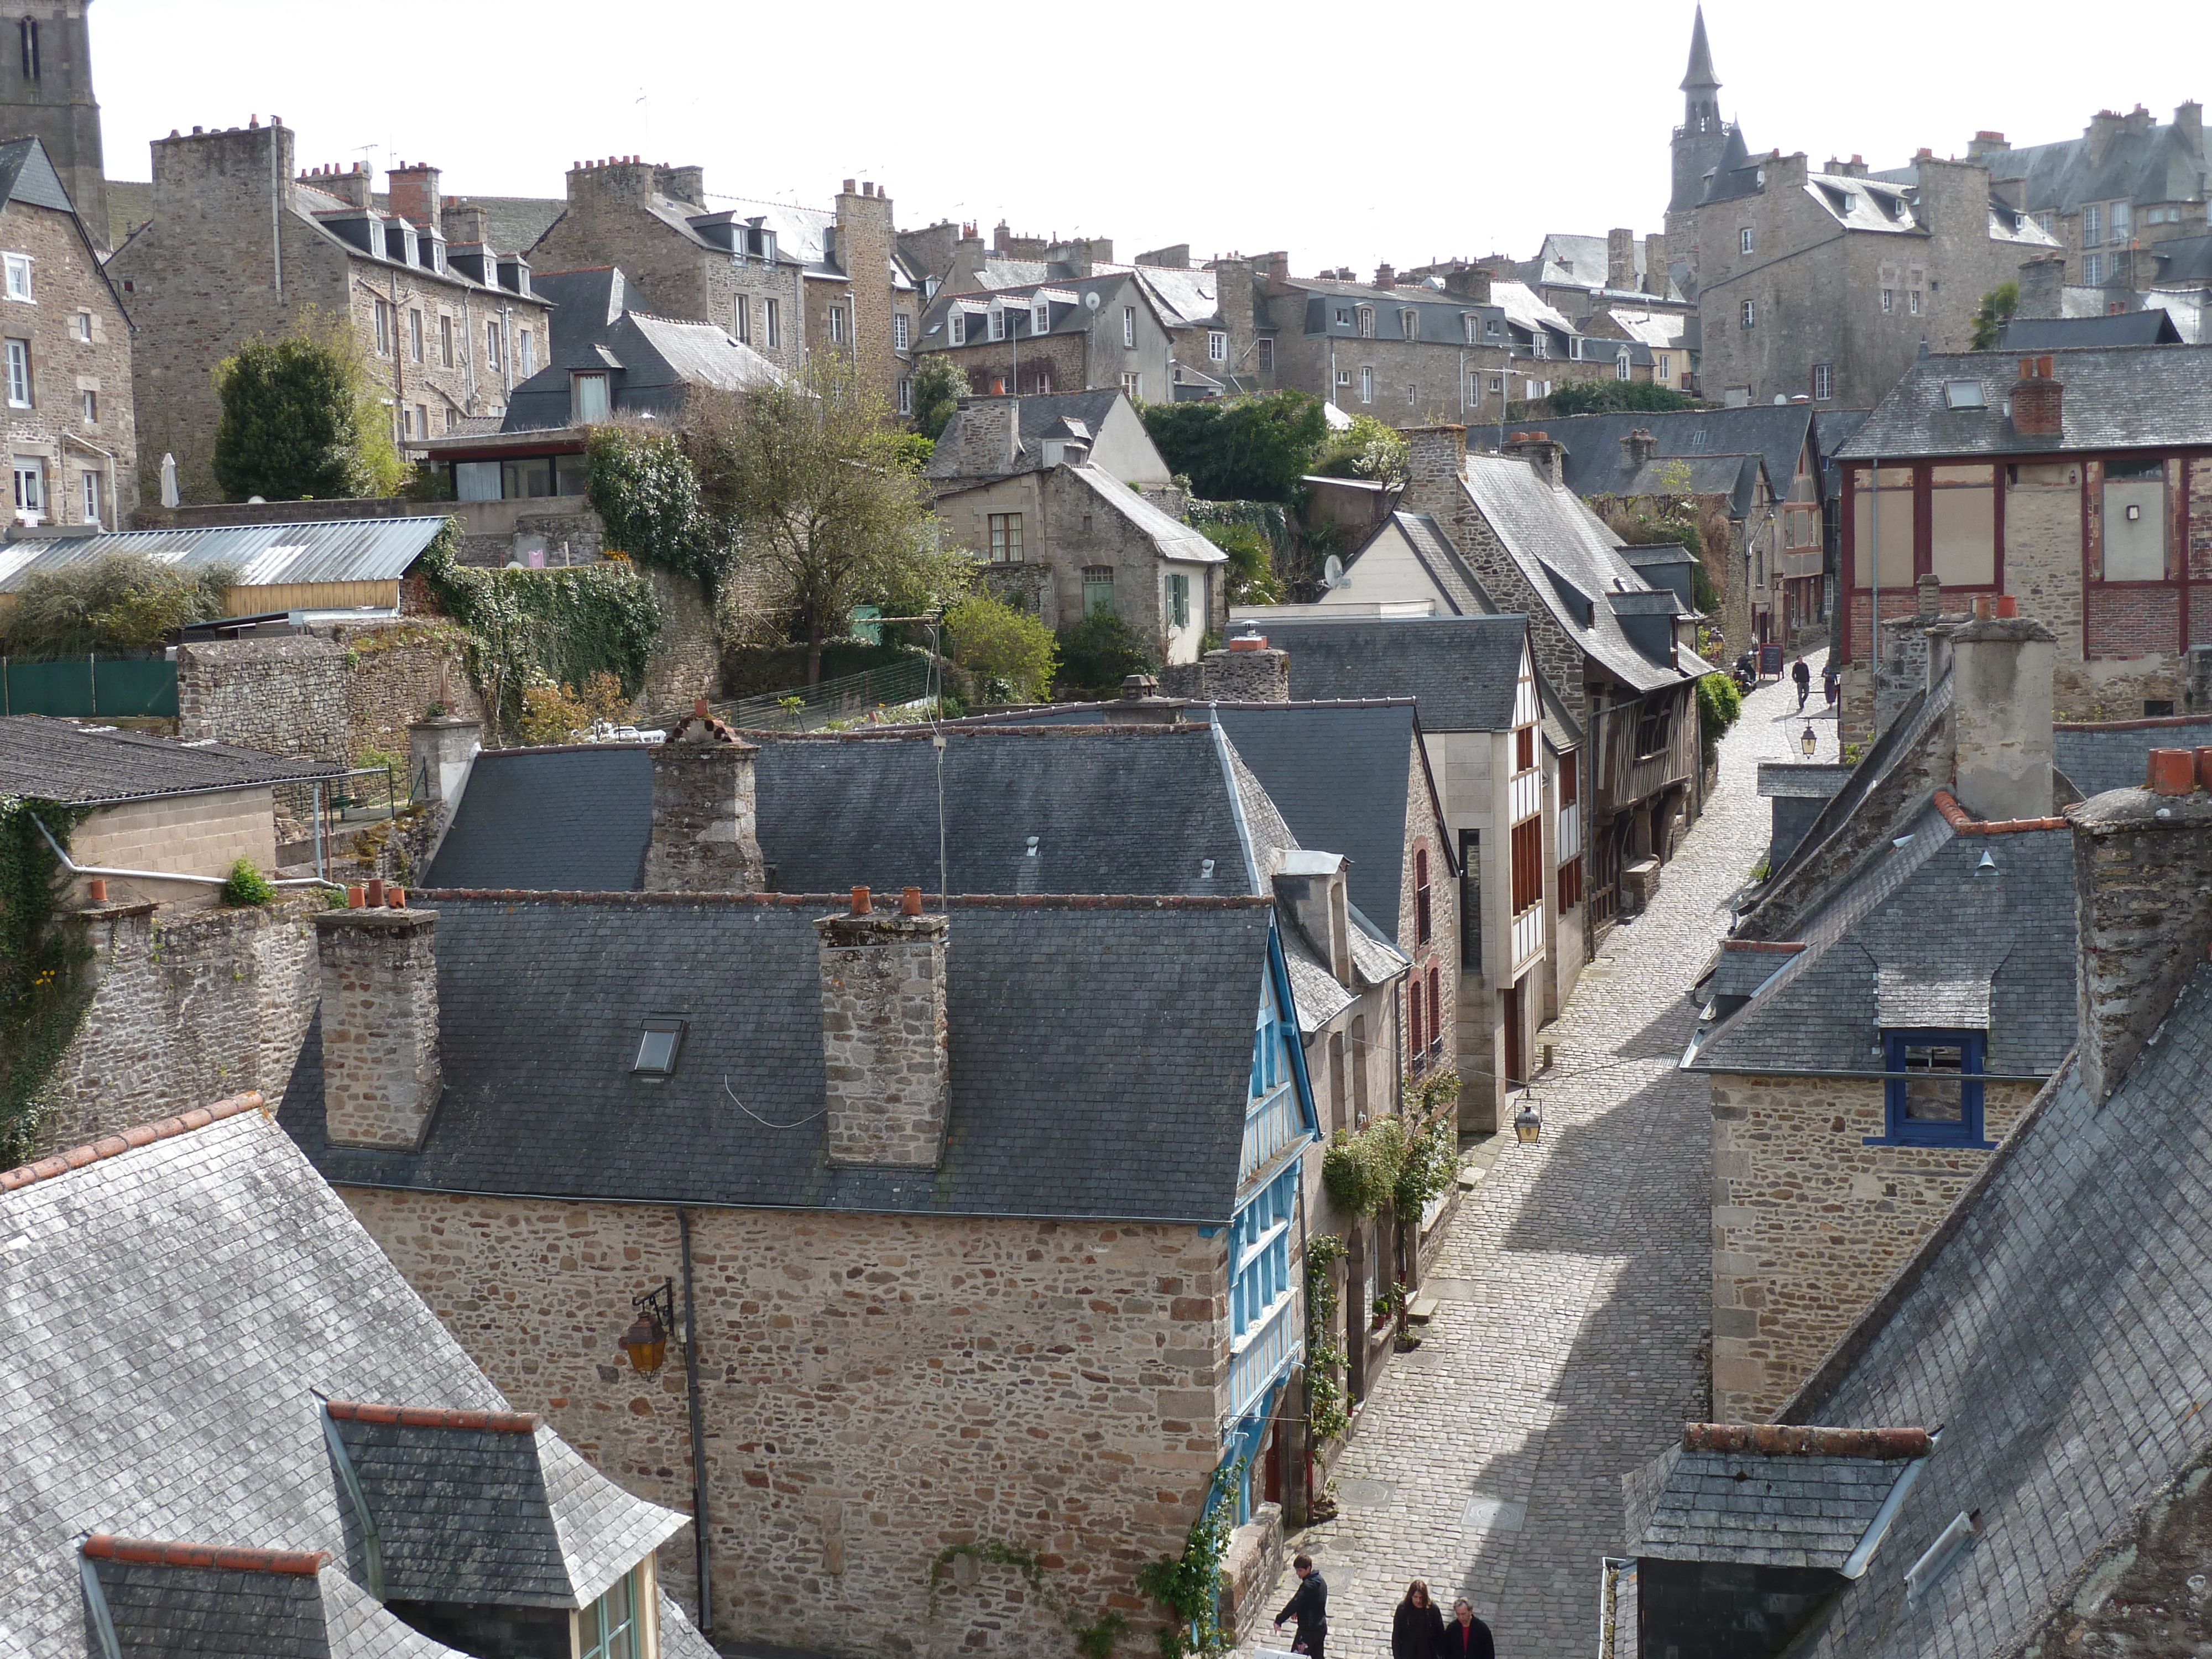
1326,1418
1189,1586
647,492
1093,1641
43,993
559,626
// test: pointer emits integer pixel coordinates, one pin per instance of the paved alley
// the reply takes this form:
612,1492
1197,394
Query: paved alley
1574,1297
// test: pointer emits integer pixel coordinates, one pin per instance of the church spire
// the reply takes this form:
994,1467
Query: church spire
1701,77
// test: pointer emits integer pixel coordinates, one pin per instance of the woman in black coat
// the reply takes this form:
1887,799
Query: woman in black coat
1417,1629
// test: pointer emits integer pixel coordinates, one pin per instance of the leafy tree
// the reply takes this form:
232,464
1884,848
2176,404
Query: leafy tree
1995,311
1365,449
812,480
1101,650
998,642
117,603
938,385
302,417
1242,449
1251,562
645,489
1614,397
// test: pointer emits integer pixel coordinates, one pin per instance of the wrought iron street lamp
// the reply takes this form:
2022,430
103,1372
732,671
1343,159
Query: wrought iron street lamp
1809,743
1529,1122
646,1342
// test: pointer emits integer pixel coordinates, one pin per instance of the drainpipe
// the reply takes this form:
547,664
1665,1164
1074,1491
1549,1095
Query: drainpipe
276,215
162,875
699,1539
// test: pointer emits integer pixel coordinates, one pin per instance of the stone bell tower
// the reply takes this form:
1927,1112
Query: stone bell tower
45,92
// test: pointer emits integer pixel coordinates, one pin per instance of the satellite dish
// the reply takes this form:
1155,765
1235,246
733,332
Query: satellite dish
1331,573
1780,398
1091,299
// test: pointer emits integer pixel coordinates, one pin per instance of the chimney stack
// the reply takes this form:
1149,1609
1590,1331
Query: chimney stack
1541,451
379,989
1468,282
1620,260
1385,276
2038,400
705,838
884,1053
1637,447
2142,868
1656,276
2000,667
413,192
1245,670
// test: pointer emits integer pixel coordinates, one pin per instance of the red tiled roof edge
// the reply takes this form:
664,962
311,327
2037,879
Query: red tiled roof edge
1777,1440
432,1417
1783,945
1963,825
839,900
76,1157
105,1546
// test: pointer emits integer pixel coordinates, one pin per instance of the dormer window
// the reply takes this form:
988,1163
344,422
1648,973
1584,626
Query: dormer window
998,323
610,1628
1216,346
1366,315
1935,1086
588,399
956,324
1409,324
659,1041
1466,322
1041,318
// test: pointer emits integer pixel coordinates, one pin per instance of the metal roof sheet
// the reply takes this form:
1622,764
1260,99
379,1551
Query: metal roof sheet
266,555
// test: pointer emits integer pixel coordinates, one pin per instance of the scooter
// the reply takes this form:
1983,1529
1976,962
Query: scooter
1746,673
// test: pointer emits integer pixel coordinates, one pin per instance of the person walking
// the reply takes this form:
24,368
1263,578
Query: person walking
1417,1629
1310,1606
1803,675
1831,684
1467,1636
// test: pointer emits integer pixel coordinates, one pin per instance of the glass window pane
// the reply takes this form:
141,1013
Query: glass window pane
475,481
1963,527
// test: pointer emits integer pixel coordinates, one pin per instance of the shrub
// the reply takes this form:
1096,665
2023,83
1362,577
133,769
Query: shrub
1251,562
1607,397
1720,701
645,487
248,885
120,602
1100,652
1365,449
560,713
1244,449
1361,1170
1000,643
938,385
302,417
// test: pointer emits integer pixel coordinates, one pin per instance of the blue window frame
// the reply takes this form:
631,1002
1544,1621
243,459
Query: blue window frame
1934,1090
1259,1249
1270,1058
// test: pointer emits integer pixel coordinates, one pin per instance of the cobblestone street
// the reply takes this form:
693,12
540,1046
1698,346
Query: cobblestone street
1567,1345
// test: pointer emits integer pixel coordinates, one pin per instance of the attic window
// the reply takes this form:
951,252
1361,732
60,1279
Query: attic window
1965,394
660,1039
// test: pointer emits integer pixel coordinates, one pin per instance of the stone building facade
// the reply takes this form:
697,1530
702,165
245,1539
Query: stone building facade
71,429
45,92
240,243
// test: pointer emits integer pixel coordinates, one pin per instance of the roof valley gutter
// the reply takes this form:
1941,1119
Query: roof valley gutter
1236,806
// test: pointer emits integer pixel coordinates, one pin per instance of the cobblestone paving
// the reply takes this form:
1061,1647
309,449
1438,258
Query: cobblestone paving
1574,1287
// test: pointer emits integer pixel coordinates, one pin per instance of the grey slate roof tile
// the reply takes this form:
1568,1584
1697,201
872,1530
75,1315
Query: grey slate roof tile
1460,670
2096,758
2051,1325
167,1312
2115,398
1781,1511
1059,1018
63,761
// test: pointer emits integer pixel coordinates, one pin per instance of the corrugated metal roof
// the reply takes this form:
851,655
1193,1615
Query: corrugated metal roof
266,555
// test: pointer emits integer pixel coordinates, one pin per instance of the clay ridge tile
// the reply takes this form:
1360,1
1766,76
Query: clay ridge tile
105,1546
433,1417
1773,1440
1963,823
76,1157
839,900
1785,947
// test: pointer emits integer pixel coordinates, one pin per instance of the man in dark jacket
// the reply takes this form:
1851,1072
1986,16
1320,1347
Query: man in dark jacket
1467,1636
1803,673
1310,1606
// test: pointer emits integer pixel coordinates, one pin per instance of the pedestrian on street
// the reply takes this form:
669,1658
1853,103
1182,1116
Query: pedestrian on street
1832,684
1309,1606
1417,1629
1467,1636
1803,675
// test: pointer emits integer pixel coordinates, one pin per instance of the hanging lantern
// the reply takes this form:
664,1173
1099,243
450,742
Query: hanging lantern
1529,1122
1809,743
647,1340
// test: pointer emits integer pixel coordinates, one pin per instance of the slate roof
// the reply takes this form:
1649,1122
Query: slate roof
1071,1025
1565,260
1170,536
2114,397
27,175
1113,812
1776,433
63,761
2059,1325
2004,949
2153,327
1460,670
160,1390
2095,759
1759,1510
2155,164
1803,780
1556,540
160,1611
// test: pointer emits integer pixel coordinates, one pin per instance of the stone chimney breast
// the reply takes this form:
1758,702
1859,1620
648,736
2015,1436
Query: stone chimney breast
705,826
2001,675
885,1058
382,1076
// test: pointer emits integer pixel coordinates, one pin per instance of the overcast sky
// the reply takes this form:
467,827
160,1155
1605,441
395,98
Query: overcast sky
1345,134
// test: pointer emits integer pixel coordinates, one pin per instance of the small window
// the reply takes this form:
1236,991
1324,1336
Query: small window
1824,381
383,310
1216,346
590,401
998,323
609,1628
1498,383
660,1039
19,275
771,325
444,342
1129,326
1097,590
406,421
19,373
30,484
1935,1086
1006,538
1344,316
1366,386
1178,601
1743,239
1661,365
1366,315
30,34
1344,377
956,326
92,498
1133,385
91,406
1266,356
1409,323
415,335
1041,317
81,327
1964,394
1490,327
901,331
1748,314
741,319
1524,748
1888,301
1912,302
1421,919
2093,223
491,341
905,396
1567,782
2092,269
1620,367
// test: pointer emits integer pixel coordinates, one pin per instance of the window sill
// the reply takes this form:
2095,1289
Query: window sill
1919,1144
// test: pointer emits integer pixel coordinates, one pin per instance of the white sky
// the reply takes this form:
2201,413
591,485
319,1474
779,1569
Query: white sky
1345,135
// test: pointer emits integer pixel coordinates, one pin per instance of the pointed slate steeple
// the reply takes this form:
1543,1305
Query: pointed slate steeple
1701,76
1703,136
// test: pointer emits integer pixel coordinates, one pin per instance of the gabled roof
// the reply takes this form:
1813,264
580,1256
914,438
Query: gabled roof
2157,163
1777,433
1439,559
1460,670
64,761
171,1397
175,1608
601,320
1871,960
1571,561
2152,327
1172,539
2113,397
2058,1325
27,175
1186,299
1061,1014
1112,812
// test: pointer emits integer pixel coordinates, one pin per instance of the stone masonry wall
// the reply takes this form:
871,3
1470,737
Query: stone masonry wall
197,835
378,977
394,674
884,1038
874,1390
185,1008
287,696
1809,1224
686,663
